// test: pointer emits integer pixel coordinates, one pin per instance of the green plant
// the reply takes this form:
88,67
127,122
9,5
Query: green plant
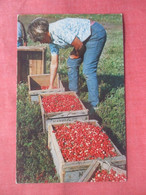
112,111
34,161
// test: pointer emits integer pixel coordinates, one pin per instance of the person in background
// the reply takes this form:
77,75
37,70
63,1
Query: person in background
21,34
87,39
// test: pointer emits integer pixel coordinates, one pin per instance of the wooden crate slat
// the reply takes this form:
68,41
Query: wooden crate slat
65,114
118,161
30,65
39,66
40,80
53,138
64,119
42,112
72,176
33,63
56,153
73,166
31,48
37,63
58,164
90,171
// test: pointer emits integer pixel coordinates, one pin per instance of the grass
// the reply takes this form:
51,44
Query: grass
111,113
34,161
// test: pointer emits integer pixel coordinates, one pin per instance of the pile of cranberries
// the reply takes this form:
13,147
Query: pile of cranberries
83,141
104,175
61,102
46,87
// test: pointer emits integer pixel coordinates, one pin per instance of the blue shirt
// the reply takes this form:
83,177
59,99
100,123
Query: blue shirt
64,31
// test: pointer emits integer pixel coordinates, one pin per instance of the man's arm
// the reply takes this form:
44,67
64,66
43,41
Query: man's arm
53,69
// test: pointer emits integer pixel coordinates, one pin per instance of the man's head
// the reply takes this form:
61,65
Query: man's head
38,29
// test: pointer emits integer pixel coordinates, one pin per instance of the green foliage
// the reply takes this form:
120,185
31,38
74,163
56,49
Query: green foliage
113,114
34,162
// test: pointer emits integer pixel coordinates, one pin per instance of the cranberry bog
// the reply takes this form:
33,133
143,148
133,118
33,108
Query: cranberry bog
38,84
75,108
72,171
102,171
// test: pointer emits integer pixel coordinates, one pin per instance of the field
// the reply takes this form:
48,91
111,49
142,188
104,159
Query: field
34,162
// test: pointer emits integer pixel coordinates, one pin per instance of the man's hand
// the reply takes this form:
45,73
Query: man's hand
50,87
73,54
79,49
25,44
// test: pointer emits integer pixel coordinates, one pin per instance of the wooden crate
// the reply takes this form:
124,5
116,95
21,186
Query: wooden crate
35,82
30,60
72,171
99,165
55,117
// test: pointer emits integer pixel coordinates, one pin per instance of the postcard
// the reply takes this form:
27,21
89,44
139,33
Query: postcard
70,99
